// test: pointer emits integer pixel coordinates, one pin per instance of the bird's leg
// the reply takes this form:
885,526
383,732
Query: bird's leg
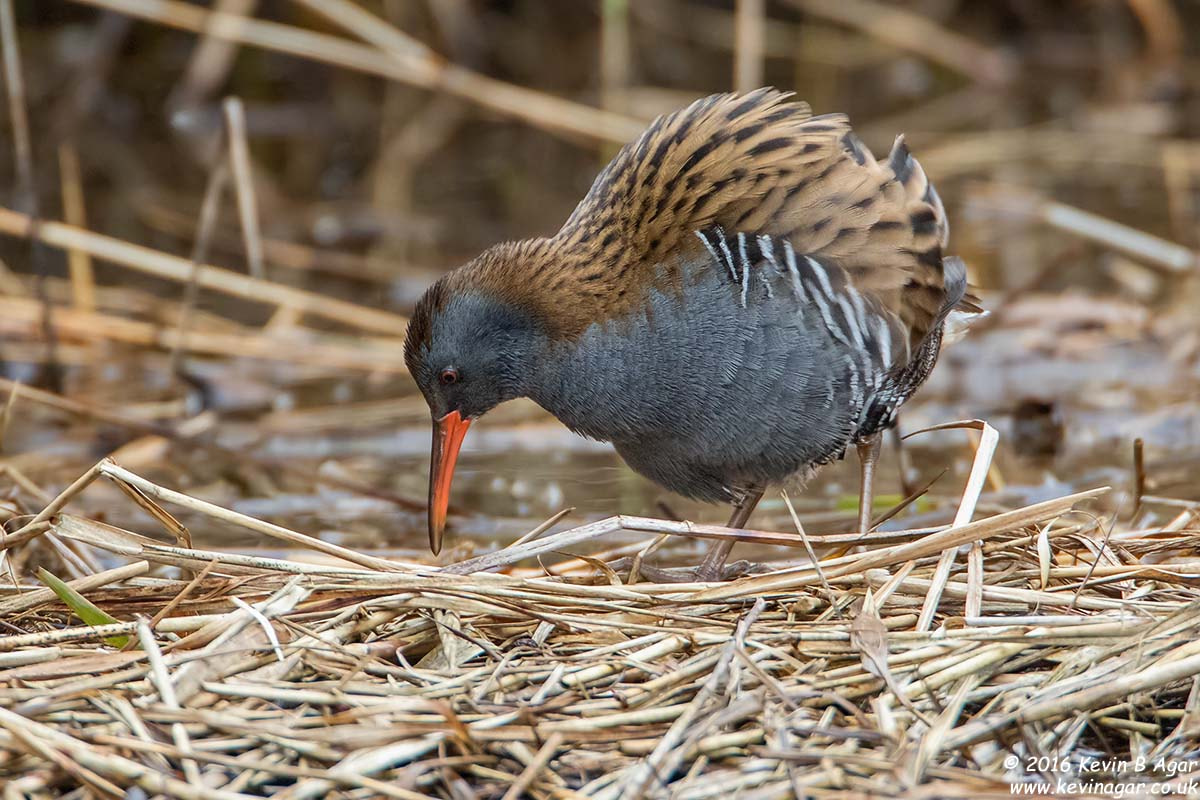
904,462
868,455
713,566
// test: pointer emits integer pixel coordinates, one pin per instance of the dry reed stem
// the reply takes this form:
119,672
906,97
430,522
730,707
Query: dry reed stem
412,63
572,695
1020,204
83,281
170,267
210,61
749,33
243,181
166,690
573,683
980,467
917,34
1123,238
14,85
322,670
20,315
117,473
890,556
27,600
205,225
27,188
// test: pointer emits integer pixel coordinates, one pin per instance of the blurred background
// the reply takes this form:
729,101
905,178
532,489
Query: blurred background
217,215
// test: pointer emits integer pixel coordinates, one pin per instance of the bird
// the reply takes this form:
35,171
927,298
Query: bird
744,292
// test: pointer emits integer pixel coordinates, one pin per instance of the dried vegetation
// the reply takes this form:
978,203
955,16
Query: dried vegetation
1024,640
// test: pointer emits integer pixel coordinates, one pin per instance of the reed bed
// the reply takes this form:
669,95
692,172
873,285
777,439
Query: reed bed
200,644
1062,645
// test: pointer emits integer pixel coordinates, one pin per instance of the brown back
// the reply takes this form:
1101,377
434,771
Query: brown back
752,163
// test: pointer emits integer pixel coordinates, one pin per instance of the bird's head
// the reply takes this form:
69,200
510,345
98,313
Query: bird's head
469,348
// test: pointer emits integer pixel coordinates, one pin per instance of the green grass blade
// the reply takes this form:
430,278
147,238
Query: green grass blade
81,606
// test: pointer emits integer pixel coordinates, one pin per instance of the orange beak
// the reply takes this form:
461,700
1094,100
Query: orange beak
448,433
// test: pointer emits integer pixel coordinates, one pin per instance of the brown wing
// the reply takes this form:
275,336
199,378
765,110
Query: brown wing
759,164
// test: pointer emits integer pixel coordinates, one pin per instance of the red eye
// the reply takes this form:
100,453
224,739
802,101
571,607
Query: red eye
448,376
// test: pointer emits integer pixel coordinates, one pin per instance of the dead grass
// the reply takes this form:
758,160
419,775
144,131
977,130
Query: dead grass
356,674
1017,644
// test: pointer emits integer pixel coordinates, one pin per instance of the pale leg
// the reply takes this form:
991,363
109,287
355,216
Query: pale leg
713,566
868,456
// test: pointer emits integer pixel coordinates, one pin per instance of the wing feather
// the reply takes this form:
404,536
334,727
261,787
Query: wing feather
760,164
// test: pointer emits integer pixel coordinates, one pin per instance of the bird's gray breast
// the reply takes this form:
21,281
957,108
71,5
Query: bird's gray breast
726,382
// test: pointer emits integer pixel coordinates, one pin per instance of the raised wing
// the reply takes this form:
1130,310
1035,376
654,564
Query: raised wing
759,165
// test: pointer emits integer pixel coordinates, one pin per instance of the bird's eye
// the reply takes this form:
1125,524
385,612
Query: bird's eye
448,376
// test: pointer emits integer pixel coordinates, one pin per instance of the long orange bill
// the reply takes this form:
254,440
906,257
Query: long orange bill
448,433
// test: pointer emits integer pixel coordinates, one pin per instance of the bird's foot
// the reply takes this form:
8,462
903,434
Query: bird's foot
729,572
625,569
698,574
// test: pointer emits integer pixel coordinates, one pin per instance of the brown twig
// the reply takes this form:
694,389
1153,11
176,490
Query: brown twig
243,181
83,281
750,30
164,265
217,179
917,34
404,60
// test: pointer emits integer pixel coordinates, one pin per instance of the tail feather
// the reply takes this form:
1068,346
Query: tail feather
954,276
